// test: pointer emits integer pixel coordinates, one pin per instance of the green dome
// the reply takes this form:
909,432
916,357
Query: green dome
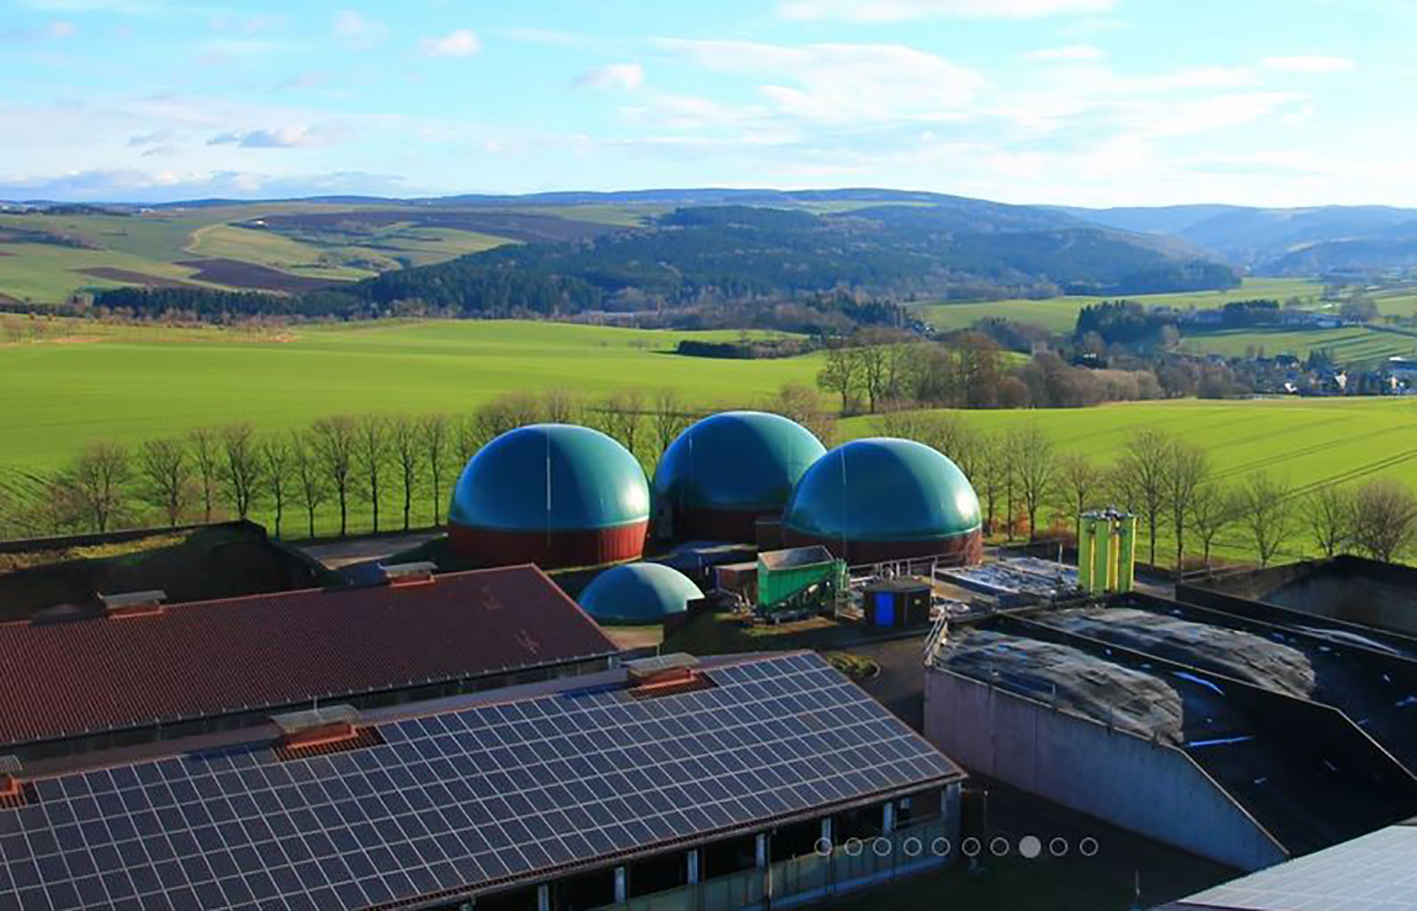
736,461
638,593
883,490
550,477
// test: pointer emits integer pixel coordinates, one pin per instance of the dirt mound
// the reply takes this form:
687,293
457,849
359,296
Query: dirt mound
1069,679
1234,653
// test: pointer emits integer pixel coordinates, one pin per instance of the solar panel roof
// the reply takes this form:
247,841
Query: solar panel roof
1376,872
462,799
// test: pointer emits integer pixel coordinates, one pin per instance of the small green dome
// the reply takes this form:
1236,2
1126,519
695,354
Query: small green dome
883,490
638,593
550,477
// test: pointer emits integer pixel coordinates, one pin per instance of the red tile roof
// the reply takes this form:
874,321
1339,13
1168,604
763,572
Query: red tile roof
265,651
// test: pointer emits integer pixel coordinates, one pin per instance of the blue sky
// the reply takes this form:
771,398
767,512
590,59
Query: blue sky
1086,102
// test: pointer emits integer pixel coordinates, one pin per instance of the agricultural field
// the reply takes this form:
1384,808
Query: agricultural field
1356,346
126,386
313,241
1059,314
1307,443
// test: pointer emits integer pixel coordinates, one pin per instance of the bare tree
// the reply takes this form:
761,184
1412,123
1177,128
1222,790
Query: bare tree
1035,469
1081,481
95,484
1266,514
1384,520
434,436
406,444
332,440
560,406
1140,480
278,474
506,413
165,477
805,405
206,455
1330,513
621,416
841,373
1213,509
873,367
240,467
371,457
671,418
309,475
991,476
1186,470
467,437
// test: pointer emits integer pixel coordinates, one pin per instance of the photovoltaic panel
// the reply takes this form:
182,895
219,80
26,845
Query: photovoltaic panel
460,799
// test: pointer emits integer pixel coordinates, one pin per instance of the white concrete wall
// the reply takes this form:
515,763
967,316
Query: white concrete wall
1148,788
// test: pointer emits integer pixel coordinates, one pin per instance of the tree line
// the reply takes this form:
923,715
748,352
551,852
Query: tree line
1028,489
381,472
877,370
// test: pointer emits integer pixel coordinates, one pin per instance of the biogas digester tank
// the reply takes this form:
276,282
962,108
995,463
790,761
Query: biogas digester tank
728,470
638,593
882,499
551,494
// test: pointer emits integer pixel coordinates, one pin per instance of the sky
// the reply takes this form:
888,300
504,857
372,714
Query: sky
1075,102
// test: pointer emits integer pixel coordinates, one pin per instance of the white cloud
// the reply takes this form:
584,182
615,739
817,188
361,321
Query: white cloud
459,43
353,29
902,10
61,29
628,76
842,83
1308,64
280,138
1070,52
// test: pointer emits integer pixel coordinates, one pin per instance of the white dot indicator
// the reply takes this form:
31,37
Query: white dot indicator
1030,846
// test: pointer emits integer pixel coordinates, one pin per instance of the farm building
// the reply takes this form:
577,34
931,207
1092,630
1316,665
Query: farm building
723,474
881,499
1243,741
1375,872
551,494
139,670
638,593
730,783
1347,589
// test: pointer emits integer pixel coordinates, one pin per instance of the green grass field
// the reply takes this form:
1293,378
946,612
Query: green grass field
1059,314
57,396
127,384
1357,346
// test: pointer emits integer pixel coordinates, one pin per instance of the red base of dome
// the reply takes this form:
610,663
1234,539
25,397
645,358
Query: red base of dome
958,550
549,549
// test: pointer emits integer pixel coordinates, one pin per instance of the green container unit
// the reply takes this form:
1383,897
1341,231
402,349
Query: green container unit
799,578
1107,552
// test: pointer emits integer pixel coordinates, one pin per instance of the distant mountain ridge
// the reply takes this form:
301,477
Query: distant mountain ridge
1298,241
1262,241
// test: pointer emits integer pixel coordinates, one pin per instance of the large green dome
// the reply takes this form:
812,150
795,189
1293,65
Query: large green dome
638,593
883,490
550,477
725,471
